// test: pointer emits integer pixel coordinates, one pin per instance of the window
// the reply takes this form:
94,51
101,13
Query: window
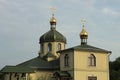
17,76
59,46
66,60
92,78
23,75
64,46
49,47
92,60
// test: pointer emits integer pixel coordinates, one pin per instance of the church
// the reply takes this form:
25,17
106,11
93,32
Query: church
56,62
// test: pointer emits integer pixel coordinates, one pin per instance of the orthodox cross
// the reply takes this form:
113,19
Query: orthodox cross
53,10
83,21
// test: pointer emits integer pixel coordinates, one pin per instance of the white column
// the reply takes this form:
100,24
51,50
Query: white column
26,76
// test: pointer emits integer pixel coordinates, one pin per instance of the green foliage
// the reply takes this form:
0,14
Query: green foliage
1,76
115,69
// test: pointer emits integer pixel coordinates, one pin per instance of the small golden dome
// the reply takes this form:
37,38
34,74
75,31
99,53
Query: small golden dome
83,34
53,19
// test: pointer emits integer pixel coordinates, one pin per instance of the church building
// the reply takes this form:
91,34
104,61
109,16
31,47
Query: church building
56,62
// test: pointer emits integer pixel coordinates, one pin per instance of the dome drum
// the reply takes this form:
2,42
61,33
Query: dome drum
83,36
52,23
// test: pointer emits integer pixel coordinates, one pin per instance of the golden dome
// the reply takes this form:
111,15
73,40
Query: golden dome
53,19
83,33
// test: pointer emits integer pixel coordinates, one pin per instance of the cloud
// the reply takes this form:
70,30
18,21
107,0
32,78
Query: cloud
111,12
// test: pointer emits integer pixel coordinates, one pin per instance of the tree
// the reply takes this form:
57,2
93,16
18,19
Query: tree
115,69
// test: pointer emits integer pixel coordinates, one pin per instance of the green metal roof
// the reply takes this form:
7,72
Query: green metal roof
87,48
49,54
40,63
51,36
33,64
17,69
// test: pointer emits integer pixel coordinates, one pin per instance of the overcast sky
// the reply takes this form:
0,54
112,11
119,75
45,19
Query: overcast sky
22,22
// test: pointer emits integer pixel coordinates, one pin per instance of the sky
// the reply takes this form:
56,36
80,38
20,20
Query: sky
22,22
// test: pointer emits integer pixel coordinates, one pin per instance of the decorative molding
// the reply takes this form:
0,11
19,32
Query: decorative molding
92,70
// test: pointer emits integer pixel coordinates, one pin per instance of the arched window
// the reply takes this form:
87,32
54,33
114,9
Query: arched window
92,60
23,75
64,46
17,76
59,46
49,47
66,60
92,78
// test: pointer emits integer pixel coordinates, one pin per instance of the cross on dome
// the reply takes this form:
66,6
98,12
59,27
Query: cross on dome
83,21
53,10
83,33
53,20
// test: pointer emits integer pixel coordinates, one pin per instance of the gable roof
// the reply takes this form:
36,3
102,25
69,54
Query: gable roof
30,66
86,48
17,69
40,63
49,54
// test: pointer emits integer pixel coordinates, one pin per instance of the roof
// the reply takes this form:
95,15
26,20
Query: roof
33,64
49,54
17,69
51,36
87,48
40,63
